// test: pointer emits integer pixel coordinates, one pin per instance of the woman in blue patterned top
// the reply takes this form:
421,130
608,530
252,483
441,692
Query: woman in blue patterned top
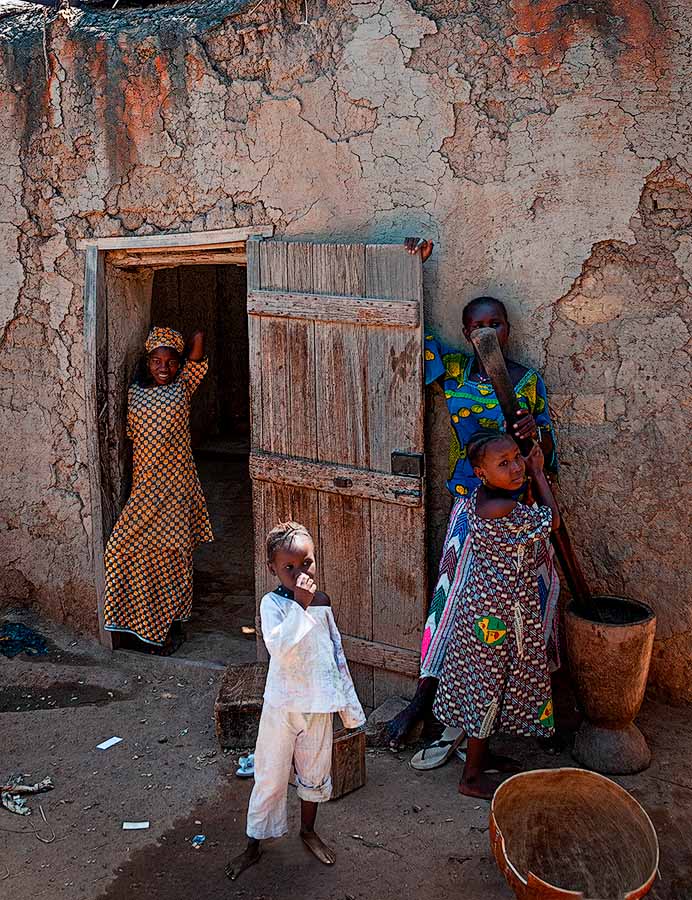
473,406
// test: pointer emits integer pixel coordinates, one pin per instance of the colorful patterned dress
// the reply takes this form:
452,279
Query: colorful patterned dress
495,675
472,406
149,554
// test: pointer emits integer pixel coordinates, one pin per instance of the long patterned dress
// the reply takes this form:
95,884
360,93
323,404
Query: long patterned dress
473,405
495,674
149,554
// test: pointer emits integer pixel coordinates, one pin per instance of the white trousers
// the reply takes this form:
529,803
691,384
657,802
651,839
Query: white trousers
285,738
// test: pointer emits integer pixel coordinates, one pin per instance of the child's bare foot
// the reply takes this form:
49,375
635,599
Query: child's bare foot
480,786
504,764
244,860
317,846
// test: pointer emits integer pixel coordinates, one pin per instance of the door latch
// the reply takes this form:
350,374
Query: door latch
409,464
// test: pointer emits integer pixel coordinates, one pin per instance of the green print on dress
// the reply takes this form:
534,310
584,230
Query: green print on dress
545,715
491,630
472,405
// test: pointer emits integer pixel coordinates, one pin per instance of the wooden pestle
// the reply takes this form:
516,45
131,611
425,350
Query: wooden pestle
490,354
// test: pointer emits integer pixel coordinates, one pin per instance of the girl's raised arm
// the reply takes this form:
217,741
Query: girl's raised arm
195,346
540,488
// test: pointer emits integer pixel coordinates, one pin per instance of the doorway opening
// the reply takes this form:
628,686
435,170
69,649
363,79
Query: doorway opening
213,299
200,283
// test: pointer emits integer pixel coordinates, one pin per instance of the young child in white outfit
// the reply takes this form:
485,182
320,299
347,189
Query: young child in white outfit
308,681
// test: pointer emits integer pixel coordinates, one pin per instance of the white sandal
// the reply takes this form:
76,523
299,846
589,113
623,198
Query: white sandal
439,752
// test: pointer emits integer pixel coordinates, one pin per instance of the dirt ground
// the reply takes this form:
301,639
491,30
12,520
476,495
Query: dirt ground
404,834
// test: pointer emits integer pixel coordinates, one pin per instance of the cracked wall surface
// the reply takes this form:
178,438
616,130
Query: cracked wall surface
543,144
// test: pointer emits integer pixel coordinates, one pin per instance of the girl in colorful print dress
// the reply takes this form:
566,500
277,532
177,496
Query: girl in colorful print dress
472,405
495,675
149,554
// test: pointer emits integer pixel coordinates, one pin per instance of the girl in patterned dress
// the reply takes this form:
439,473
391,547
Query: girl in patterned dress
472,405
495,674
149,554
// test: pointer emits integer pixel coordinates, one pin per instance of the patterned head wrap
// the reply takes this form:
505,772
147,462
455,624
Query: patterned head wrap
165,337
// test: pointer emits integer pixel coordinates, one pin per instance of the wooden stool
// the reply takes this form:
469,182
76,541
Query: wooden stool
348,760
237,713
239,705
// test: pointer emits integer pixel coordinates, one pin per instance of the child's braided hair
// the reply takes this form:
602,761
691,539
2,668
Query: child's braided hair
281,537
479,442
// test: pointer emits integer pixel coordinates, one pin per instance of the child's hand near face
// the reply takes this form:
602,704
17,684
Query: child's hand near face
304,591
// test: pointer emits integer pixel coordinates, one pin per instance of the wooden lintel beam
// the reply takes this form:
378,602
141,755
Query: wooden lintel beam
186,239
162,259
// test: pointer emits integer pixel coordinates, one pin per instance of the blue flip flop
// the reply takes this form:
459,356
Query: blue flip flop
246,766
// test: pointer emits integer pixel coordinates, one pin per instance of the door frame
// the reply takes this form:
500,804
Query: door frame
150,251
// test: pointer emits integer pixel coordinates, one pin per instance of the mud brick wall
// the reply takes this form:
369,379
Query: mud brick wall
544,145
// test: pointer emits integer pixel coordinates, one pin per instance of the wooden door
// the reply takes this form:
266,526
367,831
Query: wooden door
336,374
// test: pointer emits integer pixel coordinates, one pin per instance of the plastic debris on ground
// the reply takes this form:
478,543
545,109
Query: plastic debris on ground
134,826
111,742
14,792
246,766
198,840
16,638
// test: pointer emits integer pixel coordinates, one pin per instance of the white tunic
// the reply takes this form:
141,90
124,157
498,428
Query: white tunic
308,672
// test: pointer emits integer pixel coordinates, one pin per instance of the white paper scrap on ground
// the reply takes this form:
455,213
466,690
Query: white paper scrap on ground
134,826
109,743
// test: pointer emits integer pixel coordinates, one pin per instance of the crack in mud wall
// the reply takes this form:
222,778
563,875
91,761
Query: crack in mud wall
543,145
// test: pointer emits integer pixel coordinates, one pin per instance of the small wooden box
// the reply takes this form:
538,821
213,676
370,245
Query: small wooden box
348,761
239,705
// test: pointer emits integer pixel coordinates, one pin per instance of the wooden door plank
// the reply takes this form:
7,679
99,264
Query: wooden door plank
399,567
395,399
127,307
392,273
339,269
255,348
301,423
94,338
345,563
276,381
272,268
399,587
346,481
334,308
344,570
394,395
299,265
341,355
395,360
342,422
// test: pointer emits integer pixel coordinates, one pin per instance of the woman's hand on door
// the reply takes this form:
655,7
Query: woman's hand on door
420,245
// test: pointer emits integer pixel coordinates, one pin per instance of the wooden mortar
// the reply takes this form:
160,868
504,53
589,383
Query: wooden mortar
609,664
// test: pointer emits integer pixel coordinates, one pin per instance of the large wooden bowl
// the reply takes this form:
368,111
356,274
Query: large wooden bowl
559,833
